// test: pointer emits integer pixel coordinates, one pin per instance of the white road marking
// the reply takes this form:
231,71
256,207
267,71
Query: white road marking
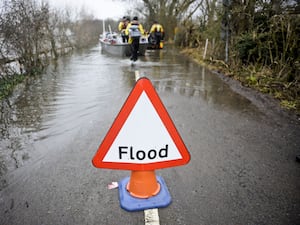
137,75
151,217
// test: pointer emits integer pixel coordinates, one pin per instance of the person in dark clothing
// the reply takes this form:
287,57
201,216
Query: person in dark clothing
157,35
134,30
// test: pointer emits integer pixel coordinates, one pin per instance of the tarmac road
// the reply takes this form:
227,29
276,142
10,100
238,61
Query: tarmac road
243,148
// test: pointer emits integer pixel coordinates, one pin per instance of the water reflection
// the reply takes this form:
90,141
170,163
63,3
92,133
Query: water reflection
171,72
82,88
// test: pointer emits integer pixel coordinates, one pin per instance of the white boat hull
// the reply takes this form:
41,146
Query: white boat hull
114,47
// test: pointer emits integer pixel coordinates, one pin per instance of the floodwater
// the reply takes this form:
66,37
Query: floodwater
242,168
74,91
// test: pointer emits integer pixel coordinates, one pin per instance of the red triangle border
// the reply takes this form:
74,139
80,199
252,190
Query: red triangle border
143,84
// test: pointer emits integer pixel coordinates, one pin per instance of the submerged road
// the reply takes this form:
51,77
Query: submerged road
242,168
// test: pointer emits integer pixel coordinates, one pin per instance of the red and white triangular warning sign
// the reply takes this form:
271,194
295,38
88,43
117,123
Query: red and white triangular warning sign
143,136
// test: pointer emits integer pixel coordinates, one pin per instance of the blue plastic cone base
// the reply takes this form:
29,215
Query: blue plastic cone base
130,203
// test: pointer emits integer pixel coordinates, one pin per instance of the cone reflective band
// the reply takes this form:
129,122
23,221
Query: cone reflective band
143,184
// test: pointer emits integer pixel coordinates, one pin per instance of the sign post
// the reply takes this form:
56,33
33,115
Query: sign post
141,139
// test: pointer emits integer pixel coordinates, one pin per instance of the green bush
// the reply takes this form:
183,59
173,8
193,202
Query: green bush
246,48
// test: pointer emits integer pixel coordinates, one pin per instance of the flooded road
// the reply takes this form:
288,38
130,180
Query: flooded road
242,168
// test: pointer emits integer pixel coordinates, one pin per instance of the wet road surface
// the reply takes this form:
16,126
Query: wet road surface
242,168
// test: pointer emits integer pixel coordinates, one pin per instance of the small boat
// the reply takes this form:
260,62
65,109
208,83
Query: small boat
111,43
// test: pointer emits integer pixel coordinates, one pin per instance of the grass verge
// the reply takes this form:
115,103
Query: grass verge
257,77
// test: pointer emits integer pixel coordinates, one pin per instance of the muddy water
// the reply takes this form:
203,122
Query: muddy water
54,105
81,89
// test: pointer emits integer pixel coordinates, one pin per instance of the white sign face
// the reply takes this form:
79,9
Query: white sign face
143,137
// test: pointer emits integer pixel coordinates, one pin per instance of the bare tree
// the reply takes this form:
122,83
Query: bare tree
23,28
31,33
168,12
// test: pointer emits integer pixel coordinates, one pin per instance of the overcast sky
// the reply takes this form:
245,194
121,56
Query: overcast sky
101,9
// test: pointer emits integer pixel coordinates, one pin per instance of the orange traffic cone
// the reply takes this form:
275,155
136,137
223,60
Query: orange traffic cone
143,184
